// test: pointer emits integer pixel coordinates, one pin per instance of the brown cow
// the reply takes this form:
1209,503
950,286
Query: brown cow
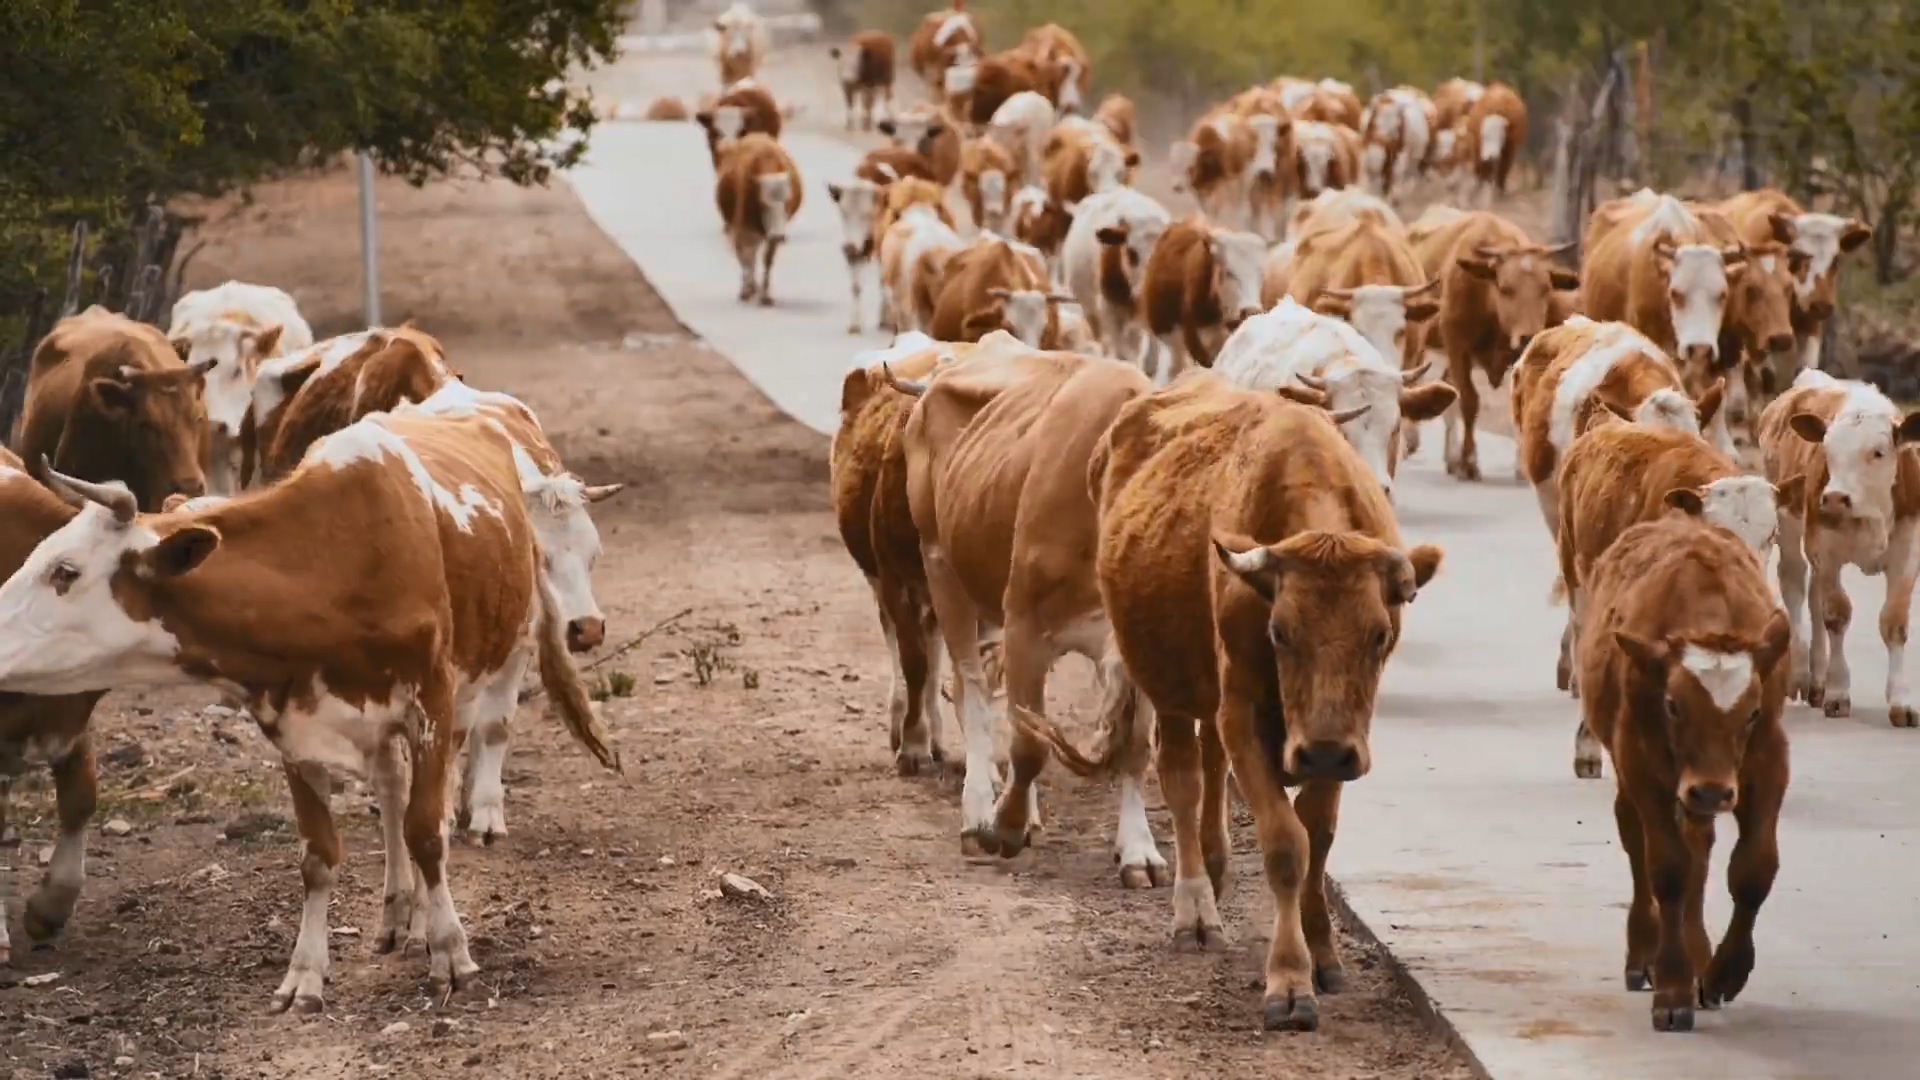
883,165
1453,101
989,82
307,395
1080,160
1495,291
667,108
995,285
1036,220
1619,474
1069,69
758,192
1116,114
1861,507
49,729
1212,162
431,603
915,232
866,73
1199,285
997,454
987,172
933,134
1366,273
740,43
1254,578
1815,243
1681,659
1496,133
1756,336
108,398
745,109
942,40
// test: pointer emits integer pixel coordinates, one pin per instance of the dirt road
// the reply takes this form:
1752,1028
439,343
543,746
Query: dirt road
755,737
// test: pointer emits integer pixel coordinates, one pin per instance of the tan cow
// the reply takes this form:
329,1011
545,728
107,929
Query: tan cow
883,165
987,173
108,398
997,284
997,454
865,64
1211,163
1398,135
434,601
1619,474
942,40
746,108
1756,334
1815,244
1496,133
1199,285
1034,219
1116,114
919,238
1366,273
1496,288
1861,507
1022,126
1080,161
757,192
1324,159
740,43
933,133
1453,101
1070,68
307,395
991,81
1254,578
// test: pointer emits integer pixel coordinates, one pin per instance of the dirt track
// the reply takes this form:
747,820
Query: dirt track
598,923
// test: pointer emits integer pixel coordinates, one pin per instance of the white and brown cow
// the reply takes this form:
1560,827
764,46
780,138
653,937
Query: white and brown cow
435,601
865,64
1815,243
236,325
1496,133
918,240
942,40
758,191
740,43
996,284
987,175
1104,260
858,201
1198,286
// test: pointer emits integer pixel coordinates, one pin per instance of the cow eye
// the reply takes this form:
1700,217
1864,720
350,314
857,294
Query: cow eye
62,577
1878,454
1753,718
1382,640
1673,709
1506,290
1278,635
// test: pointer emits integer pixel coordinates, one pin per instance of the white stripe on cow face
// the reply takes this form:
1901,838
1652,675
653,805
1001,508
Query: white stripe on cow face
1744,506
569,540
775,189
1238,259
1493,138
1697,297
858,201
1025,313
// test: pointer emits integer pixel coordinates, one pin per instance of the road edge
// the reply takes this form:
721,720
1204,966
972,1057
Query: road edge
1429,1010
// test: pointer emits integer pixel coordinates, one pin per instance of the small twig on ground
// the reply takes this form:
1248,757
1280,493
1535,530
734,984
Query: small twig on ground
622,650
156,792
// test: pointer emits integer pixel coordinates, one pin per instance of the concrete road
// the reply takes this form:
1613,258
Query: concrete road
1488,869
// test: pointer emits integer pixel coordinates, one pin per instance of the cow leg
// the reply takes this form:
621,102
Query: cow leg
931,712
848,91
1675,869
1750,874
1174,358
1809,353
1028,653
9,841
1903,561
76,791
771,248
1457,373
449,964
1643,926
1141,864
745,248
304,988
1792,574
897,694
389,776
1178,761
1833,610
1286,850
1318,805
1469,406
853,284
484,723
960,626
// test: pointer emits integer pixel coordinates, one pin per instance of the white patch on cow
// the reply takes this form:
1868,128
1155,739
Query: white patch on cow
858,203
993,198
1239,257
1266,146
1443,144
1222,126
569,540
1181,156
850,65
1668,218
958,23
1699,282
1025,313
1379,312
728,122
960,78
1862,456
1669,409
269,393
371,440
1745,507
1816,236
1769,263
1493,137
1374,161
82,640
1070,86
1724,676
1814,377
1314,143
1612,344
775,190
1526,263
1106,166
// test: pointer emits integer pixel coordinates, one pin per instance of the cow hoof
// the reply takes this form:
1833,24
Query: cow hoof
1329,980
853,328
1200,938
1813,695
912,762
1013,841
746,295
1563,678
975,843
1294,1012
304,992
766,299
1638,981
1837,705
1903,716
488,824
44,917
1797,688
1145,877
1676,1018
1470,471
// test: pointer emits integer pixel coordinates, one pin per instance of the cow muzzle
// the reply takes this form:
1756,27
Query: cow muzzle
190,486
585,634
1780,343
1701,354
1706,798
854,252
1835,503
1327,759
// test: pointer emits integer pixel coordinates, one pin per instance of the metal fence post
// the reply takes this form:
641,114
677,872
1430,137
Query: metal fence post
369,241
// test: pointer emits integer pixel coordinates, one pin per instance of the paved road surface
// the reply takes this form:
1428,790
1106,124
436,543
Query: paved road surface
1472,851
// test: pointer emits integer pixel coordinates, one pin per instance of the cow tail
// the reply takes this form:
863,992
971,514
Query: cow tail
1122,742
1559,594
561,680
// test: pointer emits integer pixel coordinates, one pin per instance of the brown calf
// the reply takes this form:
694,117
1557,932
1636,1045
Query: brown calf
1496,133
1199,285
108,398
1257,624
758,191
995,285
1815,244
1079,161
1116,114
987,173
883,165
933,134
1069,70
866,73
1681,660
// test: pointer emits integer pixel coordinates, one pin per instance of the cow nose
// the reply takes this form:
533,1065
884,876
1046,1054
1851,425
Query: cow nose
1702,354
1709,798
1820,309
1327,759
851,251
1780,343
1835,502
587,633
1521,341
191,486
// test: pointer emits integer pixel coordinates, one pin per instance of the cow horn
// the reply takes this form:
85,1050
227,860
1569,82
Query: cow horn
1244,562
1337,294
113,495
1343,415
596,492
905,386
1419,290
1061,298
1487,251
1311,382
1412,376
1562,249
200,367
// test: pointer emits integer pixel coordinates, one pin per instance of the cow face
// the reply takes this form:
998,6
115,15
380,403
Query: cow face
1817,241
1264,165
1237,270
1493,139
1862,447
1368,401
962,74
160,420
65,600
736,34
774,190
1106,167
1334,618
908,132
1313,153
1135,240
1760,303
231,353
858,203
569,546
1067,88
1746,506
1384,314
1183,157
1698,279
1710,699
848,62
992,184
1026,312
1522,281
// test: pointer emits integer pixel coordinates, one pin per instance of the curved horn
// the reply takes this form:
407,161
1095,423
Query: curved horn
1343,415
199,368
1562,249
1244,562
908,387
1418,290
1487,251
113,495
1311,382
1337,294
1061,298
1411,376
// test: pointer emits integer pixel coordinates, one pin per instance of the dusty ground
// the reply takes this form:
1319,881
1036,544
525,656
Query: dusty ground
755,741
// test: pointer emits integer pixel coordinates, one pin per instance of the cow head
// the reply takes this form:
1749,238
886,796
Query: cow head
232,352
70,589
1134,241
1698,279
1493,138
962,73
1368,401
1025,313
1334,603
1313,158
858,202
847,61
1746,506
1706,696
1384,314
1760,303
992,185
1862,446
1522,281
158,419
1183,157
569,546
735,29
1446,143
1817,241
1067,87
1107,166
910,132
1035,219
775,192
1269,133
724,124
1238,265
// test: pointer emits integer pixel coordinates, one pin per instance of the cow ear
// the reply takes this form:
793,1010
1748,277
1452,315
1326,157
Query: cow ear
1564,280
1810,427
113,396
1421,403
1426,562
182,347
1423,309
1857,233
1710,402
179,552
1782,225
1789,495
887,126
1111,237
1650,656
1480,268
1775,641
1303,395
1909,429
1133,159
1686,500
263,342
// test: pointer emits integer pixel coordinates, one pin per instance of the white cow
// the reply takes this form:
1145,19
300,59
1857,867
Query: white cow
858,201
740,43
1022,125
236,325
917,238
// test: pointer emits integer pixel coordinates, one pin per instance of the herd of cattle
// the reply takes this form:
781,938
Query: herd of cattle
369,554
1035,468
